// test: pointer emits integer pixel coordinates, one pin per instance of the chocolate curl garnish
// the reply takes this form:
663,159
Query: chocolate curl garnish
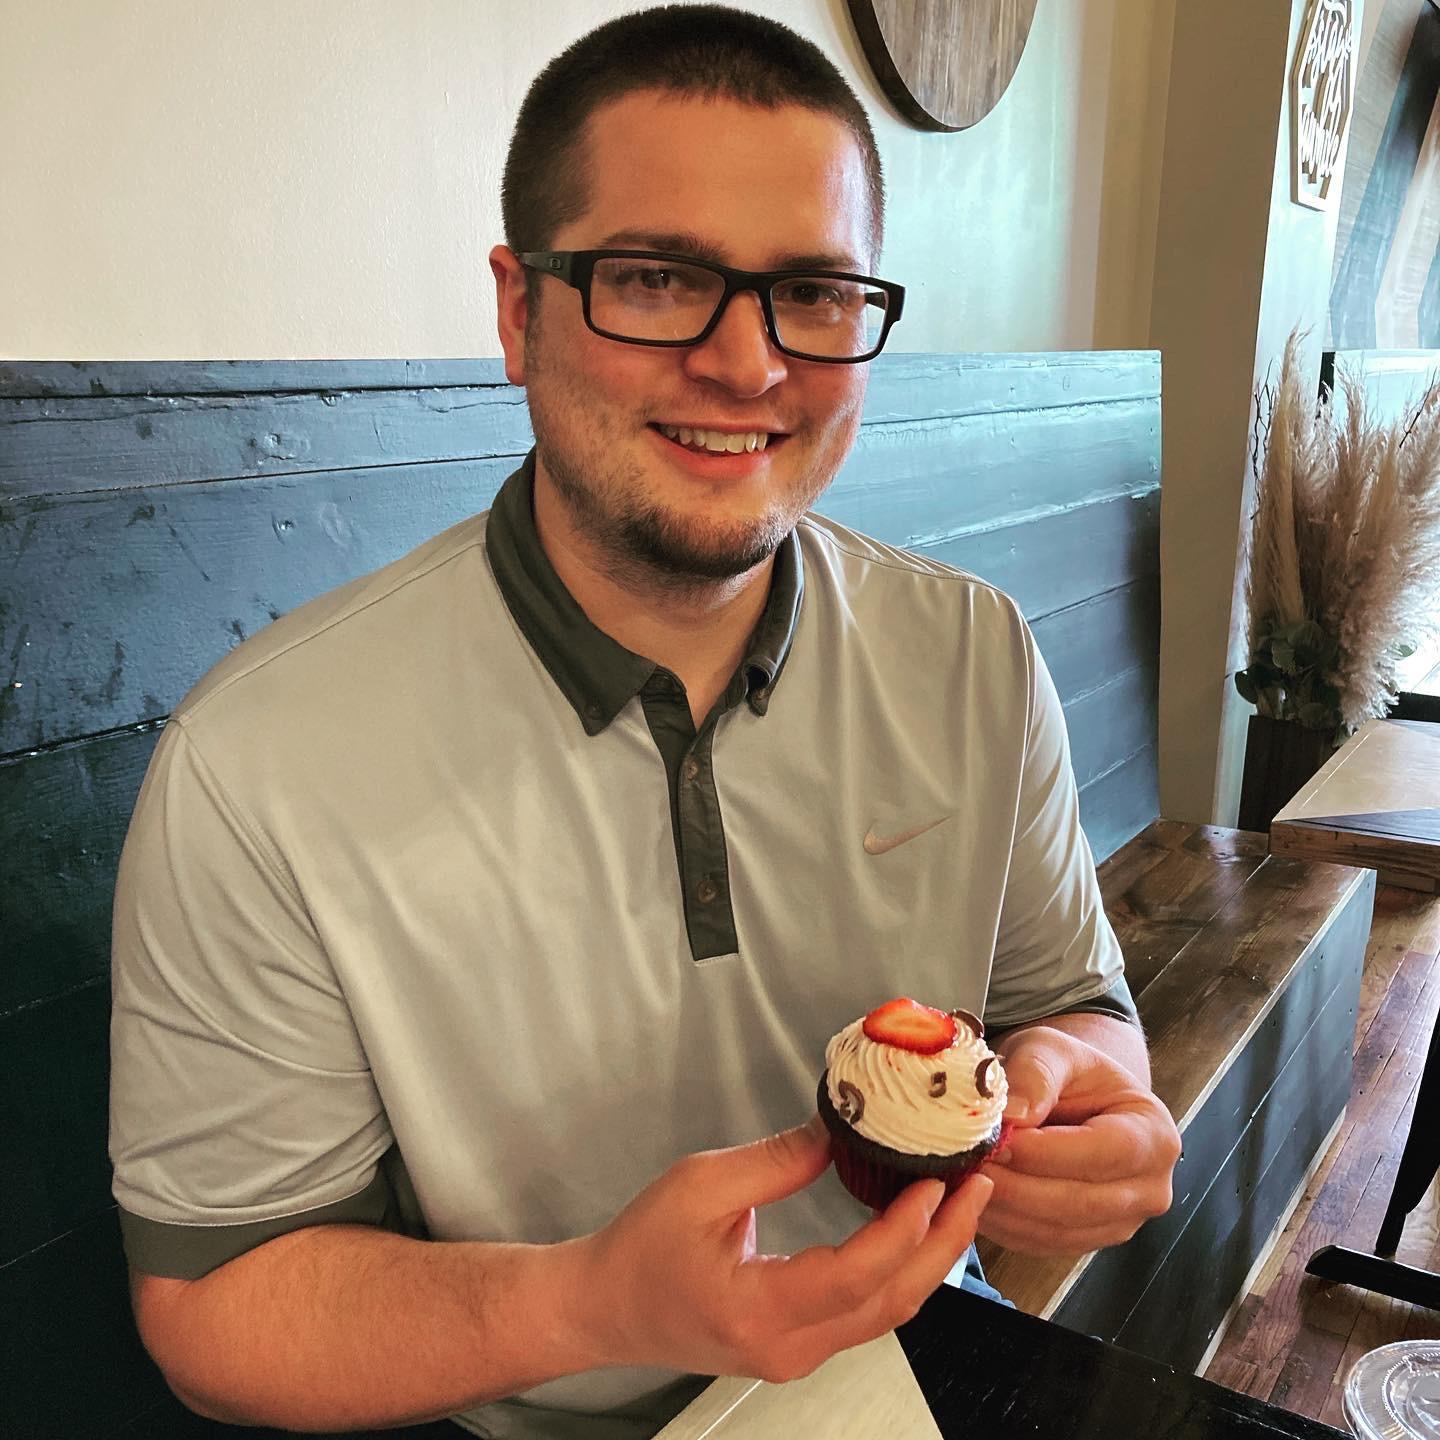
980,1070
937,1084
852,1102
973,1021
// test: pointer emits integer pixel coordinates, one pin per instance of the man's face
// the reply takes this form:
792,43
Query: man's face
754,188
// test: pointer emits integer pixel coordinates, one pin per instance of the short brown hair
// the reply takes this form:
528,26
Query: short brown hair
711,51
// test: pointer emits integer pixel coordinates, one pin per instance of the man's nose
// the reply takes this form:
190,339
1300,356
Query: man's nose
738,352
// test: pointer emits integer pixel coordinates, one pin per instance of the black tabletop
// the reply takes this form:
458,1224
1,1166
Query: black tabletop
988,1371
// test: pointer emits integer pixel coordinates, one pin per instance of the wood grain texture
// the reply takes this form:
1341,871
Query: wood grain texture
1107,374
81,1370
944,64
1414,863
57,379
1220,935
1085,644
1293,1337
63,816
1226,1157
1279,758
1120,804
53,1120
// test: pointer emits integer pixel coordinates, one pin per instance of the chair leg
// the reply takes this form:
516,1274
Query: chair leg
1420,1160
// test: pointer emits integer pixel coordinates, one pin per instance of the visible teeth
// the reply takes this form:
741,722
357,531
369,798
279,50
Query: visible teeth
716,440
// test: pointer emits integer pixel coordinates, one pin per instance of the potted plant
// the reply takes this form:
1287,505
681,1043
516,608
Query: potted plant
1342,573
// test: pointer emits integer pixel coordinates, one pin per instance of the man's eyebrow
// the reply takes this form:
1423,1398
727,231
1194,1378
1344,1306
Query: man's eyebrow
684,242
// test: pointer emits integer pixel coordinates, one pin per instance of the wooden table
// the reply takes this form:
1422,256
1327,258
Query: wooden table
969,1367
1376,803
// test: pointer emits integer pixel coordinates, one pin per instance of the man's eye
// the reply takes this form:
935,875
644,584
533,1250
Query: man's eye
656,279
809,293
805,293
644,276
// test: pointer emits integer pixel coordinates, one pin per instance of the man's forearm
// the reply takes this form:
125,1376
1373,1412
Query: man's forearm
341,1326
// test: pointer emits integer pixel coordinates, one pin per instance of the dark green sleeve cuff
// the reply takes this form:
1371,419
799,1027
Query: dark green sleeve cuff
186,1252
1116,1001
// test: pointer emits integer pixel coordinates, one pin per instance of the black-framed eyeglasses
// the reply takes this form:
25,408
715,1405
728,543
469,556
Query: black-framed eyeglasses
647,297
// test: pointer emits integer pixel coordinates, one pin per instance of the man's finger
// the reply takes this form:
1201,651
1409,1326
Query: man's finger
898,1297
825,1281
950,1236
1046,1238
1113,1147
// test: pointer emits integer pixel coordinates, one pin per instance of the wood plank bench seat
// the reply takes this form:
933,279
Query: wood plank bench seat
1246,971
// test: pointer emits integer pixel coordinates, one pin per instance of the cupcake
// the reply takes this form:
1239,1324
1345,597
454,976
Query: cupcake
910,1093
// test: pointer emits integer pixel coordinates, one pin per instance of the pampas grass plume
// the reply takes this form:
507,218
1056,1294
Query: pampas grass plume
1346,531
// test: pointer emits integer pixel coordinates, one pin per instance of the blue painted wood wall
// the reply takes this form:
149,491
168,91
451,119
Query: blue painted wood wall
152,515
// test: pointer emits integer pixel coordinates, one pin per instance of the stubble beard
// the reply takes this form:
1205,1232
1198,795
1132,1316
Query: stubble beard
649,547
646,547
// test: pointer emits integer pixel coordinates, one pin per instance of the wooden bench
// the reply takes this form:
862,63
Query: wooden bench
1246,970
153,514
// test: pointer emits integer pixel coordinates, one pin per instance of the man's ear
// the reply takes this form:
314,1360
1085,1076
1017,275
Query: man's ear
512,310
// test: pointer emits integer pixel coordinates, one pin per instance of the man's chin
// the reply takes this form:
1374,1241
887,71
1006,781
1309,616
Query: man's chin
679,553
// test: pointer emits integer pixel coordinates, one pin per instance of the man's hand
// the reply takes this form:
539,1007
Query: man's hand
1092,1151
675,1280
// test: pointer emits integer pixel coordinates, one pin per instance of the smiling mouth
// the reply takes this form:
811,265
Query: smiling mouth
717,442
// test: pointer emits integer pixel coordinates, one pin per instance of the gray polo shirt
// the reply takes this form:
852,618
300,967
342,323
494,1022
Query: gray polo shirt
437,912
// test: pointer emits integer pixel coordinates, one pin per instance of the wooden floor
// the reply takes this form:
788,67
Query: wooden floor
1293,1338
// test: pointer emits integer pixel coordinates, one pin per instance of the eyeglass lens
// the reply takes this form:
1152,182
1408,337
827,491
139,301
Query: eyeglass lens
668,300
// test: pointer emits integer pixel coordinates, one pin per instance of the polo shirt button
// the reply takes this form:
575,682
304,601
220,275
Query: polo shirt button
691,768
706,891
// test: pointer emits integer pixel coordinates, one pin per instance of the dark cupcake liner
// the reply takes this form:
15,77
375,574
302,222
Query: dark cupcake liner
875,1174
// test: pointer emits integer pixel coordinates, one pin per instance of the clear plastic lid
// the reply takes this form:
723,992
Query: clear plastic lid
1393,1393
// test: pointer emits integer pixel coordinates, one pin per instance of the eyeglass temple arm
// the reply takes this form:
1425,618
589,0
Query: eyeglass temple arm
549,262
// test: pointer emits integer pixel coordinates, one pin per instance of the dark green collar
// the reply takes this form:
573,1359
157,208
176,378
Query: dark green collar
598,676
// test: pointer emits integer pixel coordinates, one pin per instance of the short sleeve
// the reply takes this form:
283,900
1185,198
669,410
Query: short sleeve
241,1103
1055,949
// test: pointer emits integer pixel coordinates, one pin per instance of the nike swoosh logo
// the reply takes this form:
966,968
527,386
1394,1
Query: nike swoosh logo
881,844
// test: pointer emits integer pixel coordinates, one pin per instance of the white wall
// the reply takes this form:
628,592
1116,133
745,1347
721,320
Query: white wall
1240,266
279,180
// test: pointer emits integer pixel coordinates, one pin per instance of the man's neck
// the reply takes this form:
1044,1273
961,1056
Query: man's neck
699,632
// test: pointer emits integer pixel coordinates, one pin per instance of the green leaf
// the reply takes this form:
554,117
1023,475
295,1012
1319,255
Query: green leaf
1284,656
1403,649
1246,686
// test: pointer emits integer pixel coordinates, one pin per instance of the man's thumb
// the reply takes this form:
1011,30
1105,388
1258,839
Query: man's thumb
1034,1081
770,1169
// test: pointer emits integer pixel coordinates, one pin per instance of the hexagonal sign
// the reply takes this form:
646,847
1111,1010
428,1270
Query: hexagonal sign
1322,95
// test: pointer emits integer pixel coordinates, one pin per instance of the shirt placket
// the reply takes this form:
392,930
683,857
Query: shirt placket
696,820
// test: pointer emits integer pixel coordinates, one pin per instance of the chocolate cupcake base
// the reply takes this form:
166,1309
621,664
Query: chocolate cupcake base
875,1174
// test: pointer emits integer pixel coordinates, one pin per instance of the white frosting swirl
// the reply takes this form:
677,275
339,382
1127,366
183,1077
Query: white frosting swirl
896,1084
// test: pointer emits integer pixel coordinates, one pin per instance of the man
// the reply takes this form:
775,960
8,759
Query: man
464,902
